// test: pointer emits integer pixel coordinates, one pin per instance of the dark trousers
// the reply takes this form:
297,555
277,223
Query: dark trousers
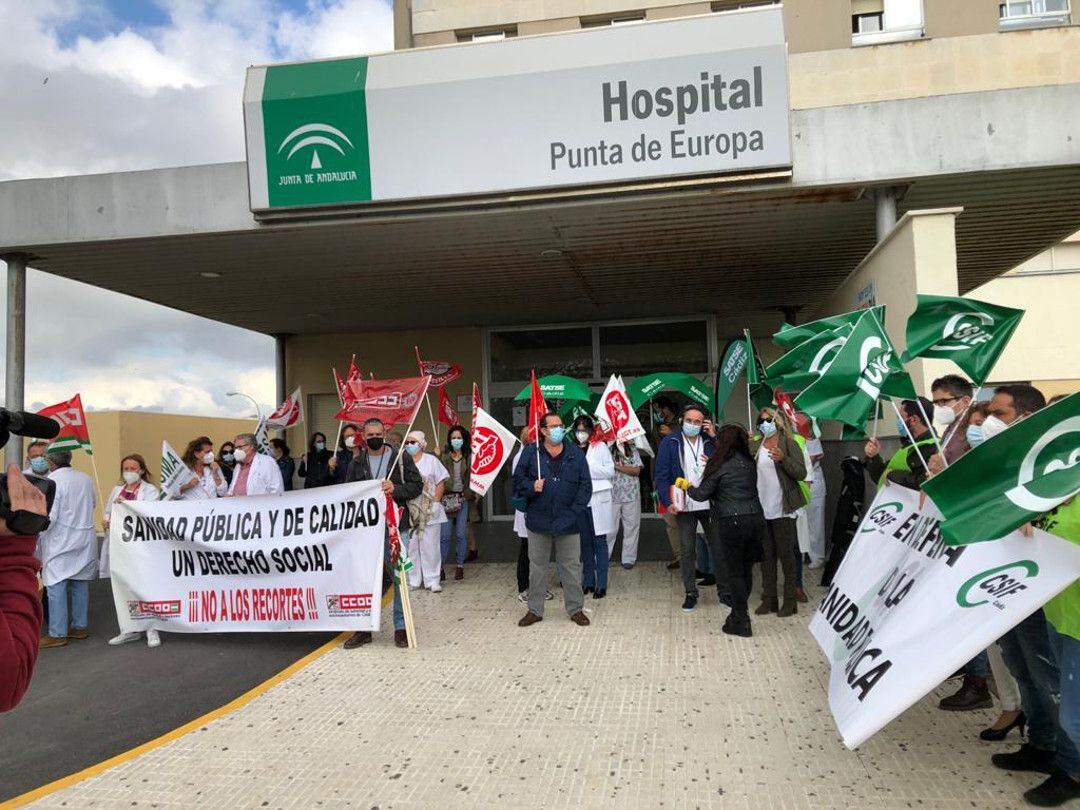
523,566
686,523
735,542
778,544
594,554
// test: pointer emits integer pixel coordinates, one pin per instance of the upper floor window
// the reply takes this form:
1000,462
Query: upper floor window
487,34
731,5
624,18
1033,13
868,23
876,22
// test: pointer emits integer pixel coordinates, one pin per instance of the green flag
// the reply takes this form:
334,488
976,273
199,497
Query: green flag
865,368
850,433
971,333
1012,478
752,376
807,361
732,365
790,336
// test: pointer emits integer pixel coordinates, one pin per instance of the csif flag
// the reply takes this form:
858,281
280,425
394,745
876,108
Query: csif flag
491,445
1011,479
289,413
801,365
74,433
395,402
440,371
971,333
790,336
865,369
537,408
447,414
616,415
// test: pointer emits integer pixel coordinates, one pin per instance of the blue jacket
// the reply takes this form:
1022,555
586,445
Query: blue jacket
566,495
669,463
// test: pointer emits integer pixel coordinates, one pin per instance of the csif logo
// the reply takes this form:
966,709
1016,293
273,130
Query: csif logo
995,585
965,331
882,517
315,135
1055,450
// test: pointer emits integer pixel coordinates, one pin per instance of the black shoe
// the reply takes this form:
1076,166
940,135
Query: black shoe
1054,792
600,593
971,695
738,625
1028,758
689,603
357,639
699,574
725,599
588,589
707,581
673,565
998,734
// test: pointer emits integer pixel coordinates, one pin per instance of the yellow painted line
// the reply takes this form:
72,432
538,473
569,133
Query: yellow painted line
176,733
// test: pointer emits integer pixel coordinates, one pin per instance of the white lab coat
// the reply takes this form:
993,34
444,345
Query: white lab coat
207,488
264,477
602,472
145,492
68,548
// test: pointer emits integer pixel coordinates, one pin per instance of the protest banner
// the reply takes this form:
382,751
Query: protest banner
616,413
395,402
905,610
307,560
491,447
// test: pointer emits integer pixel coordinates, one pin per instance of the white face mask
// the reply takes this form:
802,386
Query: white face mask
582,436
208,458
944,415
992,426
131,476
239,454
350,442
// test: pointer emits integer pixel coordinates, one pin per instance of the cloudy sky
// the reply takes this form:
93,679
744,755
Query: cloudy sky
86,86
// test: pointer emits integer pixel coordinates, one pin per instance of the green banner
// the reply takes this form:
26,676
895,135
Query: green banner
732,365
805,362
790,336
1011,478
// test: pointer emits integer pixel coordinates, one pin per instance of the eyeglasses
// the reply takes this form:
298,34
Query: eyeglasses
946,400
764,419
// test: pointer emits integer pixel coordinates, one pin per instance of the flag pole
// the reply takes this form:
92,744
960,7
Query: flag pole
907,430
407,432
749,414
340,424
97,480
431,414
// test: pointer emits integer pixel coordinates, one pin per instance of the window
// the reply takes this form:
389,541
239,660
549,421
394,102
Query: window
877,22
1033,13
487,34
731,5
867,23
625,18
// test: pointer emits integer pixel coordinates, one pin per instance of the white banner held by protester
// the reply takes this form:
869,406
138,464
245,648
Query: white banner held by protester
174,472
492,445
307,560
262,443
289,413
905,610
614,410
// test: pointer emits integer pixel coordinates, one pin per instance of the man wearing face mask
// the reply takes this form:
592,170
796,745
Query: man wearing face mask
36,463
905,467
377,461
952,403
255,473
683,455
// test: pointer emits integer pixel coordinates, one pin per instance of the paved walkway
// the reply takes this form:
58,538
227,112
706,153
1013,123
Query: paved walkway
646,708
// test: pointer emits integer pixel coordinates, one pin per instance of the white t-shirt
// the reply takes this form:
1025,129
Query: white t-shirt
434,473
768,486
693,464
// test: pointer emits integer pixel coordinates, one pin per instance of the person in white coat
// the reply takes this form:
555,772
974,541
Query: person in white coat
426,516
134,486
68,552
815,510
209,480
255,473
598,521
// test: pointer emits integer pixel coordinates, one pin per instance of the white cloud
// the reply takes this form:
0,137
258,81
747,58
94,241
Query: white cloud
140,98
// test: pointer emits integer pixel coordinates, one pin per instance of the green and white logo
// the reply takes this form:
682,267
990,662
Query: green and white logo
996,584
882,517
965,331
1055,450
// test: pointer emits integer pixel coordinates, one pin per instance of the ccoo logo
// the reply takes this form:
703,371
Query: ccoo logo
1057,449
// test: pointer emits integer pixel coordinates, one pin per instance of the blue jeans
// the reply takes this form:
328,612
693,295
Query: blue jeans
1027,653
58,606
594,554
456,523
1066,651
399,612
979,666
704,558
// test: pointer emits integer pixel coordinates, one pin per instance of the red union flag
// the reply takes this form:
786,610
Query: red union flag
447,414
395,402
477,402
615,411
74,433
537,408
492,445
799,421
440,371
289,413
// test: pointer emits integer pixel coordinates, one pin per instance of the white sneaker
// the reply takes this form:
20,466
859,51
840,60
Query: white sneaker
436,588
523,597
153,638
124,638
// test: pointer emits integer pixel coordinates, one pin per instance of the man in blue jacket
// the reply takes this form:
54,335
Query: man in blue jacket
683,454
552,486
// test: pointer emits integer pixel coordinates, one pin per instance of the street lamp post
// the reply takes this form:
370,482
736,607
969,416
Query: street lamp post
258,410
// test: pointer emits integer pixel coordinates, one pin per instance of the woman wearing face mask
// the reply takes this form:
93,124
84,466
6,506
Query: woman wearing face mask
426,515
455,497
315,463
227,461
976,418
208,481
781,478
346,452
598,520
280,453
134,486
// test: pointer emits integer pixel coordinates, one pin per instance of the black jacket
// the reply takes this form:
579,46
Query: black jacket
730,490
407,481
315,469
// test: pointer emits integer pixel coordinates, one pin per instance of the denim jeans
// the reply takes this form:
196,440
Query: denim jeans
979,666
58,606
1031,660
456,524
1066,651
704,557
594,554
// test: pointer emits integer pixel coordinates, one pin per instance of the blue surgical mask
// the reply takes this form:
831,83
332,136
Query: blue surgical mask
320,445
901,429
975,435
412,448
767,429
457,444
39,464
691,430
227,457
557,434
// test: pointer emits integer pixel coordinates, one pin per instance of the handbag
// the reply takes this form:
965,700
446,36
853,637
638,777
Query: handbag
452,502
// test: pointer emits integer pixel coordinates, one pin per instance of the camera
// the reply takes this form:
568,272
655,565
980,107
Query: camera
22,423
